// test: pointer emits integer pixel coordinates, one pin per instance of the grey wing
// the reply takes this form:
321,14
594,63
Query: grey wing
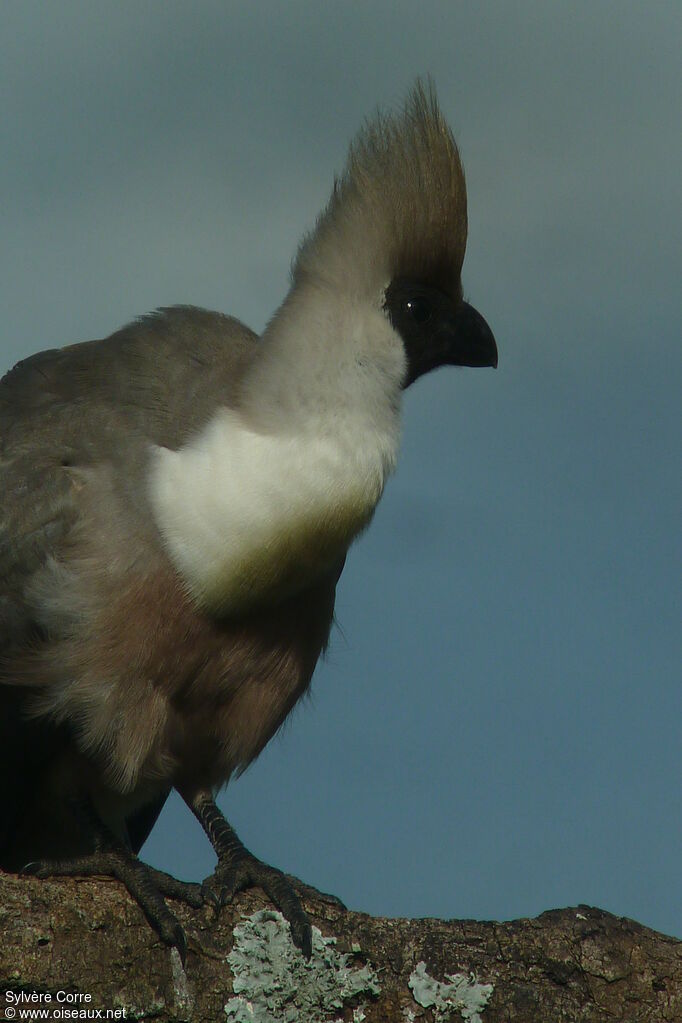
100,402
36,515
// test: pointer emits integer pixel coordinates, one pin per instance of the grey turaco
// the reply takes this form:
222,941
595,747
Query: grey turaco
177,504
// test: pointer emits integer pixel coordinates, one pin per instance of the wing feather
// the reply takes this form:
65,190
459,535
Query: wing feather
94,406
80,407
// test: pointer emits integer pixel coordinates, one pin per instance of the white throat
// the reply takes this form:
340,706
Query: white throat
270,494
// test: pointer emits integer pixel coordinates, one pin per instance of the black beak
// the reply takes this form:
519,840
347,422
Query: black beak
437,329
470,341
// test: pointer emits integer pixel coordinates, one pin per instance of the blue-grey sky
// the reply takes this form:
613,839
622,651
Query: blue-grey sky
496,730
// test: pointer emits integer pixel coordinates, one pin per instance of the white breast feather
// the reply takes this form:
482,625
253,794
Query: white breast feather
250,511
242,512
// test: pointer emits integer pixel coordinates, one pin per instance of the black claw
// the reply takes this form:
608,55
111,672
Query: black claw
211,896
301,930
172,934
179,941
302,935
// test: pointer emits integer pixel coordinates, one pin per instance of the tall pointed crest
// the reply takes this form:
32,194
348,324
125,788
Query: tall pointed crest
398,209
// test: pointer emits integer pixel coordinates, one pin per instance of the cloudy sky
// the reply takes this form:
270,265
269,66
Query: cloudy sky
496,730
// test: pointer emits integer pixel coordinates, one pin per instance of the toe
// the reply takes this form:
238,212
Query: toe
172,934
307,891
184,891
302,935
277,887
210,896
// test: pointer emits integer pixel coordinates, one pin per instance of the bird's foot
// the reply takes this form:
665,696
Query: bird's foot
242,870
146,885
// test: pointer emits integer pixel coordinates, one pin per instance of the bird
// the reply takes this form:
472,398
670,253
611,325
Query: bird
178,500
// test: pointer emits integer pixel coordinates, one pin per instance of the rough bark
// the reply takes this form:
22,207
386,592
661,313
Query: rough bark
87,937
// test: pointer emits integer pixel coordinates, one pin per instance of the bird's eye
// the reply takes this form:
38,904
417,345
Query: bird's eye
419,309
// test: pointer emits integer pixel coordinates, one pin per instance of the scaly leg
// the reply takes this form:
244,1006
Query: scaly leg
238,869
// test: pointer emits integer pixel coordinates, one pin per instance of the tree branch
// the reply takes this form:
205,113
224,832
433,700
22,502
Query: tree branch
71,938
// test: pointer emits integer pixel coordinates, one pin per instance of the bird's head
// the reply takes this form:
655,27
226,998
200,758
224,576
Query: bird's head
394,234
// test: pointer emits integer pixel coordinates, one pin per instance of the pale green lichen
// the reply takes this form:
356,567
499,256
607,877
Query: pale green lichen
273,983
461,994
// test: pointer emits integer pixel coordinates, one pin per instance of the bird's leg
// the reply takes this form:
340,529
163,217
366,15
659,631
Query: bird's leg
238,869
111,858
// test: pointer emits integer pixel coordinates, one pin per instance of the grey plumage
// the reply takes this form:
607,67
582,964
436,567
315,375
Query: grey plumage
177,504
92,409
77,529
